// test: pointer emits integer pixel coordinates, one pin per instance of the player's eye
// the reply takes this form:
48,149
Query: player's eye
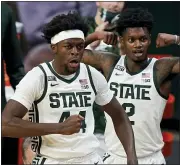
130,40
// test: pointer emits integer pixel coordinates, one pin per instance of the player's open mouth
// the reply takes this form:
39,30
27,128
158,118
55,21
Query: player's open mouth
74,63
138,53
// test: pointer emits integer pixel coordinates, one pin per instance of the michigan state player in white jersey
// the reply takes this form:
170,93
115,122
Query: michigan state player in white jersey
62,93
140,84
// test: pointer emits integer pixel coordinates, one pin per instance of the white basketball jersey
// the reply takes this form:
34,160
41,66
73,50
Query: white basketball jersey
62,98
143,104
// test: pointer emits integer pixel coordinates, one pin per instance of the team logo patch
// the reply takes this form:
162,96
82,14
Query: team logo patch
51,78
84,83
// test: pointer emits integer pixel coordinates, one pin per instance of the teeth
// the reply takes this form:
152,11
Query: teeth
138,54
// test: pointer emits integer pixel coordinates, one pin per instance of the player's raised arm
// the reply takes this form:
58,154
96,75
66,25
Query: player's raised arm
109,38
12,123
98,59
165,67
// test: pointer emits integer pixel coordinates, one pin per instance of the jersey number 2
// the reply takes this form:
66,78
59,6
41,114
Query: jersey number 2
130,110
65,115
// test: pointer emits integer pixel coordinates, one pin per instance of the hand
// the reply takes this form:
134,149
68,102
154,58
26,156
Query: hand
71,125
164,39
109,38
102,26
98,31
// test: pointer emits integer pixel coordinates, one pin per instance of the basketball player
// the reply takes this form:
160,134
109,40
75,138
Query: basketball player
63,92
140,84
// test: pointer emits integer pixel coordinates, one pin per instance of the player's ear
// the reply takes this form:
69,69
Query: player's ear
120,38
54,48
149,39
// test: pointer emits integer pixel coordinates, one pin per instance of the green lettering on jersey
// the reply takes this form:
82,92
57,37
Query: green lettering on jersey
131,91
71,99
63,95
113,87
54,101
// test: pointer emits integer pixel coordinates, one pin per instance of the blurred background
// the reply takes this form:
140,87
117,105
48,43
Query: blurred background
29,19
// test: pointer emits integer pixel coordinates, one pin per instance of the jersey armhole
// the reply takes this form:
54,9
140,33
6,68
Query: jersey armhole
45,85
112,68
91,80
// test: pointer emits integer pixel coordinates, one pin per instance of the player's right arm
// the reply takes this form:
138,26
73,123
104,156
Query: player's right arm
100,60
29,89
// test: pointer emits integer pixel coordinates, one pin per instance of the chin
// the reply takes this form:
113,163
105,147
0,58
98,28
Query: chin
72,70
140,58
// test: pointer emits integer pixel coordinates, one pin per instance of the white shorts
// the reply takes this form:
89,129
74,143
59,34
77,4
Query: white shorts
92,158
156,158
102,147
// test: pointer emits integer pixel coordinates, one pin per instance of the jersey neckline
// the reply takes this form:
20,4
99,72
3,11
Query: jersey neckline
135,73
61,78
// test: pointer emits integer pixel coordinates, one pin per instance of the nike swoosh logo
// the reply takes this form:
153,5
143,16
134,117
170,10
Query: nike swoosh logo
96,163
54,85
117,74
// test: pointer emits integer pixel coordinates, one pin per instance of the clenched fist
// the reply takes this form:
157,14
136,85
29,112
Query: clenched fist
71,125
164,39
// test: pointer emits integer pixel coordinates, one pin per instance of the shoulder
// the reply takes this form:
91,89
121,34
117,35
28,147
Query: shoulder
35,74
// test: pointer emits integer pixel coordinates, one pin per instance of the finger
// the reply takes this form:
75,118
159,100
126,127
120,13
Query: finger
157,42
80,117
115,41
105,40
109,39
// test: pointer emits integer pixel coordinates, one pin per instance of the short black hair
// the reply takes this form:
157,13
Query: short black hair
70,21
134,17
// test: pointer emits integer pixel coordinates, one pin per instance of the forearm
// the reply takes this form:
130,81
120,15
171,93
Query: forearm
122,126
91,38
125,134
17,127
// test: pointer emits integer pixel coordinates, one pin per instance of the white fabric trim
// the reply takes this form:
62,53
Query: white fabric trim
63,35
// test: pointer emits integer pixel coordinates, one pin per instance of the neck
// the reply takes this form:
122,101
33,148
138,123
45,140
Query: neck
132,66
59,68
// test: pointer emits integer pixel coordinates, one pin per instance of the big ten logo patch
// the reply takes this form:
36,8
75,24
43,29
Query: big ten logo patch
120,68
51,78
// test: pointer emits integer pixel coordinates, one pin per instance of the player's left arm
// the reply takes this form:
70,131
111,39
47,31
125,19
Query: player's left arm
120,119
123,128
109,38
167,67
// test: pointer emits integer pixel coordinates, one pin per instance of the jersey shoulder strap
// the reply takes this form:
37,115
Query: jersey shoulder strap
91,80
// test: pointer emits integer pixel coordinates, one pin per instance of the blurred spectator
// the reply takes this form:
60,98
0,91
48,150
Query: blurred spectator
104,19
34,15
27,153
12,56
39,54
